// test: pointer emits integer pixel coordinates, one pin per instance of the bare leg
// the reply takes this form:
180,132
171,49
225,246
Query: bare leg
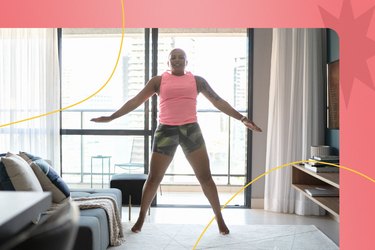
201,166
158,165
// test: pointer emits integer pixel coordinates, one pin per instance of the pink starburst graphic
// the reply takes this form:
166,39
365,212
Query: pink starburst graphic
356,46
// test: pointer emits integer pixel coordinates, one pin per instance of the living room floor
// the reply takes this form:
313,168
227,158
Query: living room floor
233,216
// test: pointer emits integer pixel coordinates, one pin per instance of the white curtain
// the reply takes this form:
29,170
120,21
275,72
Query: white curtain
296,113
29,86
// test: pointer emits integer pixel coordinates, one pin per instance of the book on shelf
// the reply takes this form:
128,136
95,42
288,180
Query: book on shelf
321,168
327,158
327,191
313,161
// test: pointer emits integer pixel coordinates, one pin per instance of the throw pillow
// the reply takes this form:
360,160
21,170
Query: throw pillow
47,177
20,173
5,182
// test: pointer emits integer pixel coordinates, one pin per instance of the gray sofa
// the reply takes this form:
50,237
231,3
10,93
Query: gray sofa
93,232
27,172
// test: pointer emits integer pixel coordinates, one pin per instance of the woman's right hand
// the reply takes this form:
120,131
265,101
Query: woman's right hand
102,119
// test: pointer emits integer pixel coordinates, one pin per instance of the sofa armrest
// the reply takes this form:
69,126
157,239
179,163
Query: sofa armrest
90,192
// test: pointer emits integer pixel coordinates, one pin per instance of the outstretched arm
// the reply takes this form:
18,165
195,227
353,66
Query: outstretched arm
151,88
223,105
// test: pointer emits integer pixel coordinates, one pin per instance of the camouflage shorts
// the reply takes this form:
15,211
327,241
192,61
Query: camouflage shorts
167,138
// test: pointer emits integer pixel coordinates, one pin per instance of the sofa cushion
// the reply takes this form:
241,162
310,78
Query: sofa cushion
20,173
101,215
88,236
47,176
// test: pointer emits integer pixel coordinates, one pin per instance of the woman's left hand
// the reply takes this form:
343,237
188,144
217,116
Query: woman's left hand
251,125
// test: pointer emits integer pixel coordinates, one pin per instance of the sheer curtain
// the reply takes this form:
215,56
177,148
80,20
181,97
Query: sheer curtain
296,113
29,86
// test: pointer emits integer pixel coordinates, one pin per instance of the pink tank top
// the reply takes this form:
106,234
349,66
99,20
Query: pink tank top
178,99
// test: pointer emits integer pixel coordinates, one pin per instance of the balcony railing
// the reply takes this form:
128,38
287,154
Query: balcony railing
82,140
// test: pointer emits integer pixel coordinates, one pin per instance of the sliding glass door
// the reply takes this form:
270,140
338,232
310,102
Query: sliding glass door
220,56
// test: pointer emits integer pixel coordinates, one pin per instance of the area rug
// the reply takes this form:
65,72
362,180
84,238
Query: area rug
257,237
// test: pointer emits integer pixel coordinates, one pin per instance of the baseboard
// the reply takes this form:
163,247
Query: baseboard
197,188
257,203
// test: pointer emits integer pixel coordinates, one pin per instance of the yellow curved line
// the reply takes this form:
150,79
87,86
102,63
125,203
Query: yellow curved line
90,96
269,171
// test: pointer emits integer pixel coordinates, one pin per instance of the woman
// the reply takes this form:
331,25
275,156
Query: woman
178,92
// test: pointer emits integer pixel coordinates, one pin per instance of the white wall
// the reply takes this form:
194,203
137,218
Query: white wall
261,79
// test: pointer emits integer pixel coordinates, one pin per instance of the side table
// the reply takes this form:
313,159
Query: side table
102,158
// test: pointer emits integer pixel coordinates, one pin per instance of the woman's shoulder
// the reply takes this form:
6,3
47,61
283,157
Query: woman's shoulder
155,81
156,78
199,79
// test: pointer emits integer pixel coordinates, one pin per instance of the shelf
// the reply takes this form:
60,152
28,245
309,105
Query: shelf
305,179
331,204
332,179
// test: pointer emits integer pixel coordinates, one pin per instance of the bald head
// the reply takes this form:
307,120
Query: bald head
177,61
177,51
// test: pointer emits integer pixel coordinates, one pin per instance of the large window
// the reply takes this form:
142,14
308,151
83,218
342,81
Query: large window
88,58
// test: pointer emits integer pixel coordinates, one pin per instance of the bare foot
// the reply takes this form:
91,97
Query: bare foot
223,229
137,226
